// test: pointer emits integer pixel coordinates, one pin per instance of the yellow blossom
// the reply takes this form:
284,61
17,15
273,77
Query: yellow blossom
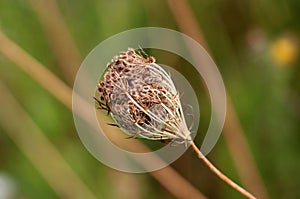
284,51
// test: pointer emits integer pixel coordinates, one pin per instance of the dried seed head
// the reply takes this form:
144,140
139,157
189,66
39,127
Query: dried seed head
142,98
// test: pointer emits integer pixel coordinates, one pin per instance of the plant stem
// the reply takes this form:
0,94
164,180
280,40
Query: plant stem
220,174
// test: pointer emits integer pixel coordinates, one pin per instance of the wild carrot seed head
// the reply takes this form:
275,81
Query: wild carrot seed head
142,98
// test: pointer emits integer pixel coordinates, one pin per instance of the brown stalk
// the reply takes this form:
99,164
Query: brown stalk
178,186
39,150
233,133
36,70
220,174
60,40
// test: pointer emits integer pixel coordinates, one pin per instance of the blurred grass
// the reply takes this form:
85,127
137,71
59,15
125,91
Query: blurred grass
265,93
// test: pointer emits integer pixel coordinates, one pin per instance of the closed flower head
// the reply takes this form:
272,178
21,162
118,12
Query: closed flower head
141,97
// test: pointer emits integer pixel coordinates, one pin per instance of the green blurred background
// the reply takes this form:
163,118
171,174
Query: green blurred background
254,43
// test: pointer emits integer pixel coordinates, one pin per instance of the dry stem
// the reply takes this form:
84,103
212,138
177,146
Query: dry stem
43,155
220,174
59,37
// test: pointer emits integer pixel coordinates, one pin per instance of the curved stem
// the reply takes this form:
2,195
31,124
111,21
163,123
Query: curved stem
220,174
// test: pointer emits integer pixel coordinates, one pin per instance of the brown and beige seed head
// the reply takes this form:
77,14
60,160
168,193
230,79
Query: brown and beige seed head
141,97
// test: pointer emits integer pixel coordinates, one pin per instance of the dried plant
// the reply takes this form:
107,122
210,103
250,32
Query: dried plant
141,97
